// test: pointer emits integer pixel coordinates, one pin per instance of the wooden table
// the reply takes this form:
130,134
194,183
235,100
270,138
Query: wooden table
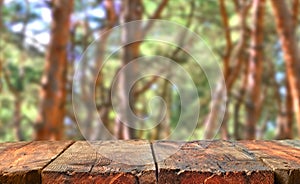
140,161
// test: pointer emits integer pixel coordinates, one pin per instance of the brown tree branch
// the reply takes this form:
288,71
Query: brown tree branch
284,26
53,93
146,86
238,53
10,86
1,23
255,68
226,57
295,12
156,15
182,37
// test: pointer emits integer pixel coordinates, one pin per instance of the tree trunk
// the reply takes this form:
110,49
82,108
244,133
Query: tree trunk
104,101
1,21
284,129
227,54
288,126
255,69
17,119
285,30
49,125
226,60
295,12
162,130
132,10
1,45
233,62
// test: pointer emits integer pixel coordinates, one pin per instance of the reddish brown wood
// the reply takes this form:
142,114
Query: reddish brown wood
11,146
100,163
209,162
255,69
282,158
292,143
286,32
133,162
49,123
22,163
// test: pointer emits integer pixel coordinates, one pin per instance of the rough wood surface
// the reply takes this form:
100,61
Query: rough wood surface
138,161
293,143
283,158
11,146
103,162
23,162
209,162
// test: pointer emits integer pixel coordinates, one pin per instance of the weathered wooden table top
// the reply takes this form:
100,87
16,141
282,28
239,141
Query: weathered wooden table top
139,161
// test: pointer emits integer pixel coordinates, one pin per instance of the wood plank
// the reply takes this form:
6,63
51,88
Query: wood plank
11,146
293,143
103,162
208,162
23,164
283,159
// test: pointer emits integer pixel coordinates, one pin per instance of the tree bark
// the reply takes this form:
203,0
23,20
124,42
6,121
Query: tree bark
50,121
295,12
226,60
1,21
131,10
17,105
1,41
238,53
162,130
285,30
18,118
288,124
284,129
104,102
233,62
226,57
255,69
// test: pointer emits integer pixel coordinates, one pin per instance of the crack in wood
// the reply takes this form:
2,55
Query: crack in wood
55,158
241,161
58,154
95,162
155,162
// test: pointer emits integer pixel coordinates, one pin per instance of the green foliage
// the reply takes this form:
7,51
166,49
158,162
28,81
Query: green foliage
25,67
24,73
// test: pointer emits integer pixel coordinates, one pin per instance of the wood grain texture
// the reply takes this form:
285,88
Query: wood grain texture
103,162
283,159
208,162
11,146
292,143
23,163
133,162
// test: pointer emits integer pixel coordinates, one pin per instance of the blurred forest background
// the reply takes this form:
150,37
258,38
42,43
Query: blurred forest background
255,42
